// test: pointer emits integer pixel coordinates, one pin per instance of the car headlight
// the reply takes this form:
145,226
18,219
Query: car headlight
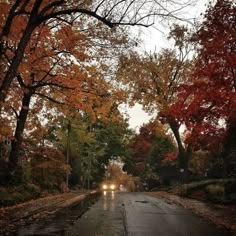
104,186
112,187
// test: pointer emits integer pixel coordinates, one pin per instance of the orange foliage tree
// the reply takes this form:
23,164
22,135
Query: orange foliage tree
22,18
152,80
50,71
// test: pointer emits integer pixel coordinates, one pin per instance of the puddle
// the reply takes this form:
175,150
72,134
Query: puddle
142,201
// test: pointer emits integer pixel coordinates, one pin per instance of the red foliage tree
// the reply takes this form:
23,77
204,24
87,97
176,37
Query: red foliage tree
170,159
207,103
143,142
149,146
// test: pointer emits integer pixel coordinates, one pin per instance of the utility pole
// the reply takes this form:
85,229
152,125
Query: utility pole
89,172
68,152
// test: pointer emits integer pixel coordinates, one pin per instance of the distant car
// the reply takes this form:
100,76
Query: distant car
109,186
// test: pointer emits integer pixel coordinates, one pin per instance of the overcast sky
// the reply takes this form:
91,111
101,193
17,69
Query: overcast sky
153,40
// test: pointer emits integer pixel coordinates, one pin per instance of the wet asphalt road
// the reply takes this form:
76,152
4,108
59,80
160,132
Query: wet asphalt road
122,213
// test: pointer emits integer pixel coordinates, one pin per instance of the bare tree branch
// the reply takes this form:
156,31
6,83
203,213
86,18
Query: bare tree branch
50,6
71,11
21,82
54,85
99,5
15,112
48,98
122,17
115,5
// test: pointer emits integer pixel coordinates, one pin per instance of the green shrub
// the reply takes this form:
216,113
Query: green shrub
5,198
34,190
17,197
215,192
230,191
10,198
26,173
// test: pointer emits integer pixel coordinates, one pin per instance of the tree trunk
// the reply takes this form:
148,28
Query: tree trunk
18,137
12,71
7,26
184,154
229,154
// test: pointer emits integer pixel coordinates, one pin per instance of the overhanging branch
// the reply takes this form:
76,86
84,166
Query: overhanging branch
54,85
15,112
49,98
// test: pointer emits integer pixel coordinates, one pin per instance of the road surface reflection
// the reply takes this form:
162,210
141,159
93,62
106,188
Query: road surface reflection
108,200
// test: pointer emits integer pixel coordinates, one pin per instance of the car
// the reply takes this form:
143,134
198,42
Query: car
109,186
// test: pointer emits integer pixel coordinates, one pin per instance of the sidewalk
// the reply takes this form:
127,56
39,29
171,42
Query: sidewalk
11,217
222,215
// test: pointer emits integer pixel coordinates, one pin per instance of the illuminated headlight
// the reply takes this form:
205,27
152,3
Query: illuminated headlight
104,186
112,187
